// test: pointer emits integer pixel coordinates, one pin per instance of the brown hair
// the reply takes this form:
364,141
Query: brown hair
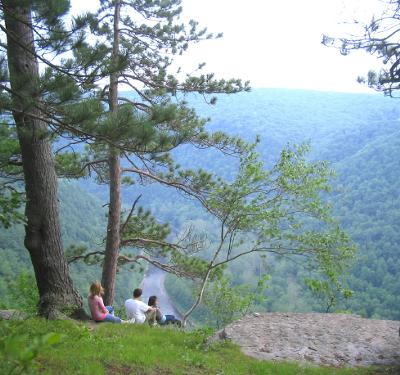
152,301
137,293
96,289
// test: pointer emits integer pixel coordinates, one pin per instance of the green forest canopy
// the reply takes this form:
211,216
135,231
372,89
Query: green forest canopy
357,133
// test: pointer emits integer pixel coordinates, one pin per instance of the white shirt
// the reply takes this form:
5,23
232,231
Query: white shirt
135,309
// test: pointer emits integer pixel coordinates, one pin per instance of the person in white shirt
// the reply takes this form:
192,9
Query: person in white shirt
137,311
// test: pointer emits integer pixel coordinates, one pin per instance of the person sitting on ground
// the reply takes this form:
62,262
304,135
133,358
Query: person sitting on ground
137,311
160,317
99,312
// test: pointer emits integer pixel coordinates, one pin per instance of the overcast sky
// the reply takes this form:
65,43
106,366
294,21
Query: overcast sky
276,43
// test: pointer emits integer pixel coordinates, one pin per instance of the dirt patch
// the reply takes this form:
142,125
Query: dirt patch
324,339
117,368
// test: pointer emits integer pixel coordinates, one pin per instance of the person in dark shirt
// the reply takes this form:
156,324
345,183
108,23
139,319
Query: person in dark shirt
160,317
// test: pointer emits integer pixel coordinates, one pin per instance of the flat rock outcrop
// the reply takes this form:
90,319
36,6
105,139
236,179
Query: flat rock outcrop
324,339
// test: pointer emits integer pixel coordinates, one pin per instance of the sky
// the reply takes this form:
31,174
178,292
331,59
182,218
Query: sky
276,43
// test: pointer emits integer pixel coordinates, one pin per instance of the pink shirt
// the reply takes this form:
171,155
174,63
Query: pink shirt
97,308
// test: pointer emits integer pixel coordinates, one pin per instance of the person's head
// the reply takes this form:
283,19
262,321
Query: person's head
96,289
137,293
152,301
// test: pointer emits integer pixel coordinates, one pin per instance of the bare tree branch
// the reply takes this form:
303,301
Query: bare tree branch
130,214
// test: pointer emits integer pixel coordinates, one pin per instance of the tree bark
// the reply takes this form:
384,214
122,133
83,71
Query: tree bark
42,231
113,229
113,240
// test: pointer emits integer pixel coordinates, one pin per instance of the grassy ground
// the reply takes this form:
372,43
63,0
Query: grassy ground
65,347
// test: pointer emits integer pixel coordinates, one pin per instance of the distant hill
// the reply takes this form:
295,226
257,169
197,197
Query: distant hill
360,135
357,133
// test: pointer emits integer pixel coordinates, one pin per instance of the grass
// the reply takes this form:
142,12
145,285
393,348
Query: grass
66,347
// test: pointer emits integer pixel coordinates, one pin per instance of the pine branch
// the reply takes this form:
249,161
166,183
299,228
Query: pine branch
130,215
48,62
84,257
173,269
145,107
178,185
143,242
162,266
69,145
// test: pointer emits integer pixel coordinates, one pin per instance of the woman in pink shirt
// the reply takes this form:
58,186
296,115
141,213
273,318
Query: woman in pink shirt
100,313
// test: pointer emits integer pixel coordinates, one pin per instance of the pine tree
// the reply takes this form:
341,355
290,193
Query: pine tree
143,130
43,235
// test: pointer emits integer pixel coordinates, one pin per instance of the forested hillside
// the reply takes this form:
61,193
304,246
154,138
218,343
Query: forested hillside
357,133
359,136
83,224
369,207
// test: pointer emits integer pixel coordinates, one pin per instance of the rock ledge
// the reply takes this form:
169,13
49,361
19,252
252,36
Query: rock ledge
324,339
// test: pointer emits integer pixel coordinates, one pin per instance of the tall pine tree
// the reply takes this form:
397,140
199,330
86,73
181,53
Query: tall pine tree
43,234
137,50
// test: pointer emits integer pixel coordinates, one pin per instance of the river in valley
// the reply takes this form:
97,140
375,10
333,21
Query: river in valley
153,284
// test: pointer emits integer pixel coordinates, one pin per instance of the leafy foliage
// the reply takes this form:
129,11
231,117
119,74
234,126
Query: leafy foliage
18,351
226,303
23,294
277,211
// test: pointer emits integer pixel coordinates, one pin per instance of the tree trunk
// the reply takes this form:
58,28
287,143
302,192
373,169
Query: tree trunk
113,229
113,240
205,280
42,231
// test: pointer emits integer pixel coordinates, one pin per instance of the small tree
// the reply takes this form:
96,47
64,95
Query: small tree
226,302
328,290
280,212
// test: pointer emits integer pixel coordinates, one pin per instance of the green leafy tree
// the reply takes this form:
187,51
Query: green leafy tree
278,211
327,292
227,303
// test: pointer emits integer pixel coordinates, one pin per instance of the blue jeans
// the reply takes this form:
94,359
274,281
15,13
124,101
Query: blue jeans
168,319
110,317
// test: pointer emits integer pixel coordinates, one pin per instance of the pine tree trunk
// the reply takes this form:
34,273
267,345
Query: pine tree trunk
114,213
42,231
113,229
